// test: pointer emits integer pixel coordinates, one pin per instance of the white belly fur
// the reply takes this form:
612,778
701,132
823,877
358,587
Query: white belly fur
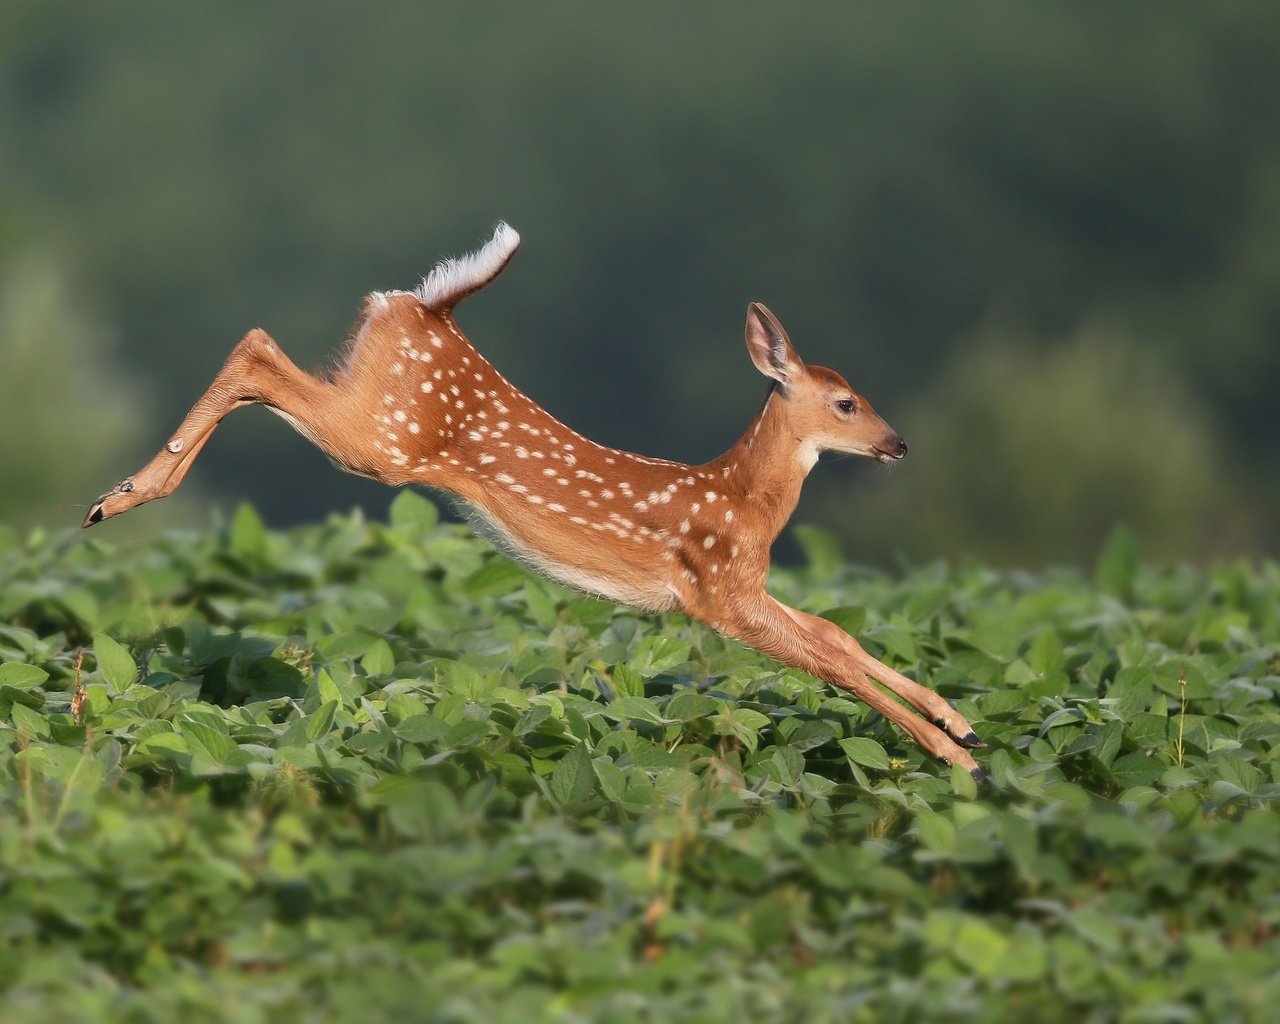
657,598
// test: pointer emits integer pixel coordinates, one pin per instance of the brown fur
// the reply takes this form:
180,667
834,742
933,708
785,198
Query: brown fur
410,400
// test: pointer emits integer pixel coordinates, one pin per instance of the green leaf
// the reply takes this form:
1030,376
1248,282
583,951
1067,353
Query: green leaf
378,659
33,698
688,705
248,537
1136,769
320,723
201,738
981,948
409,508
656,654
612,779
1118,564
1046,654
821,551
114,662
29,722
573,779
963,784
22,676
865,751
496,578
1131,691
627,682
1109,737
640,708
937,833
849,617
788,765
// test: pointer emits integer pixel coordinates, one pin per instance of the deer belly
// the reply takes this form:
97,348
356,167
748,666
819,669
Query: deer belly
580,562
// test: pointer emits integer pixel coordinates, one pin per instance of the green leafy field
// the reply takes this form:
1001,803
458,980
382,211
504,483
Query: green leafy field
375,771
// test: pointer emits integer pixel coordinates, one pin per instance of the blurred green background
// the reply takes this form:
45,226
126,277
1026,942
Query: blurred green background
1044,240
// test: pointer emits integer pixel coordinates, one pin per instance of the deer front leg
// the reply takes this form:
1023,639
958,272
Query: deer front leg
935,708
256,372
806,642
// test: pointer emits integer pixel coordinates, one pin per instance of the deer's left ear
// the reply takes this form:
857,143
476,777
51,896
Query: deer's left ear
769,345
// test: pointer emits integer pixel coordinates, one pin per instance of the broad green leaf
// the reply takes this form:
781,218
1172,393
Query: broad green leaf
865,751
962,783
248,535
202,738
656,654
821,551
29,722
1131,691
1046,656
114,662
937,833
1136,769
1118,564
378,659
21,676
850,617
573,779
496,578
627,682
788,765
635,707
612,780
688,705
981,948
320,723
409,508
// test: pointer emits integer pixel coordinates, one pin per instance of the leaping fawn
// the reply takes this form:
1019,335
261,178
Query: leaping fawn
414,402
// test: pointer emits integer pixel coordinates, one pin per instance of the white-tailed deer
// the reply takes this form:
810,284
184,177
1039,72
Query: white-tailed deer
413,402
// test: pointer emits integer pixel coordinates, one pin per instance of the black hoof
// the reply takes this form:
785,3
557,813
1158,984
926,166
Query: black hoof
969,739
979,776
94,517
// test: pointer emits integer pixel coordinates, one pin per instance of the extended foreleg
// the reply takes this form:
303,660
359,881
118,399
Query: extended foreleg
934,707
808,643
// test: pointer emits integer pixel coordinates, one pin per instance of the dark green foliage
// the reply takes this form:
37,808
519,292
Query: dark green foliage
374,770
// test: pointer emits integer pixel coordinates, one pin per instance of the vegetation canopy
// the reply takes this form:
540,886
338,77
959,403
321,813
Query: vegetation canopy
376,769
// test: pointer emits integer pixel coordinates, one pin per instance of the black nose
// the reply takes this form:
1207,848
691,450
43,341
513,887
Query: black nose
902,447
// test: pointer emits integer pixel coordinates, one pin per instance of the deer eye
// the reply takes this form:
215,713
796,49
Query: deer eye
845,405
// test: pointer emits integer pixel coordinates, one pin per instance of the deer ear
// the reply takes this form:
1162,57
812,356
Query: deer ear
769,345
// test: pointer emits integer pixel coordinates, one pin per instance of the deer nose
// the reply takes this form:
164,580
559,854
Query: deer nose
902,447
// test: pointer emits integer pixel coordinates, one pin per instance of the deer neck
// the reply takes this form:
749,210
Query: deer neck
767,467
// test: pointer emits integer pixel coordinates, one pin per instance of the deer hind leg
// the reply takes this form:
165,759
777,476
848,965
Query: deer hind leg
806,642
256,372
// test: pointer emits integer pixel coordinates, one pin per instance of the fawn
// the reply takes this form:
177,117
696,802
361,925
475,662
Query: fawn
413,402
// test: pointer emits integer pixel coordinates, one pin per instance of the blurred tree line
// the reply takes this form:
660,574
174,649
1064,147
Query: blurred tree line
1042,239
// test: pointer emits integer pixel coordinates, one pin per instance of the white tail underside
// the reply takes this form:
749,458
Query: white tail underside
454,279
